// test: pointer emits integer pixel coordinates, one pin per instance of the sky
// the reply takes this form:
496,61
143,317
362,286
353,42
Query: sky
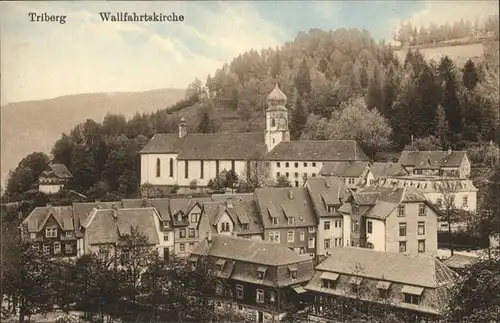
41,60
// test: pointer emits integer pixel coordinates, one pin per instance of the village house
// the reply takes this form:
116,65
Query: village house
51,230
259,279
288,218
391,220
436,163
327,195
415,285
103,229
381,170
53,180
179,159
354,174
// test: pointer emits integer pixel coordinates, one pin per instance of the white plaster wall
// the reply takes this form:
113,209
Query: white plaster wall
331,234
50,189
346,228
148,169
471,199
301,169
377,237
209,170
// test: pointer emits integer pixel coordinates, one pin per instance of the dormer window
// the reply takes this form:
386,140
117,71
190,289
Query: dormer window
331,208
244,226
355,209
179,217
329,280
276,221
291,220
165,224
293,272
219,265
261,273
412,294
68,234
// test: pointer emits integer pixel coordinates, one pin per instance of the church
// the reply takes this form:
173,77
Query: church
179,158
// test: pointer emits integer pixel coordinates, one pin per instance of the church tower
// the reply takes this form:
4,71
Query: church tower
276,119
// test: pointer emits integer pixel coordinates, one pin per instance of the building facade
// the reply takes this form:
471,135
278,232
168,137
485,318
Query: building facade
55,179
436,163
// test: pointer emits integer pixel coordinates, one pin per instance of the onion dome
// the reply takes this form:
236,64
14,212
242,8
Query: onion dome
276,99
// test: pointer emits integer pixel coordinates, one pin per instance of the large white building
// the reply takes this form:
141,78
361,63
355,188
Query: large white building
178,159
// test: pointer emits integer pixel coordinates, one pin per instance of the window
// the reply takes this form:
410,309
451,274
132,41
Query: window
305,164
310,243
355,209
421,246
338,223
314,164
412,299
239,291
331,208
68,234
179,217
191,246
464,201
273,122
326,243
296,175
182,233
421,228
278,174
182,247
171,168
51,232
401,210
287,164
278,164
191,233
165,237
202,169
158,167
194,217
225,227
260,296
57,248
232,165
291,236
186,169
296,183
402,246
287,174
33,235
296,165
261,272
311,229
313,175
327,225
382,293
422,209
302,236
338,242
293,273
369,227
274,236
351,180
291,220
402,229
328,283
355,226
217,168
244,226
276,221
35,246
46,248
218,288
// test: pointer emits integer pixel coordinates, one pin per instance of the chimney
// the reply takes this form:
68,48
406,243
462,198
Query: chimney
209,236
182,128
290,194
229,203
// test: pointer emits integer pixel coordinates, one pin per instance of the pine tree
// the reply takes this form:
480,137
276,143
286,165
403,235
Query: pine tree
298,120
375,97
470,77
205,125
303,80
449,99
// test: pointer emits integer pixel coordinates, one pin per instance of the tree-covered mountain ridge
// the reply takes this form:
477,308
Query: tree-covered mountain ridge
340,84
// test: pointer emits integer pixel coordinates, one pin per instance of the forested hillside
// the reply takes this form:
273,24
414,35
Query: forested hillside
340,84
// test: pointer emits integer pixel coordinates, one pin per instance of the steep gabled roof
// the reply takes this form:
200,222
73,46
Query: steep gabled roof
63,215
432,159
379,170
295,200
344,169
325,191
248,250
242,212
163,143
418,270
317,150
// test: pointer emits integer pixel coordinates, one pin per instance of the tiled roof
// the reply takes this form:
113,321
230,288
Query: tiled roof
387,169
163,143
235,196
432,159
317,150
294,201
459,261
241,212
81,211
248,250
61,171
103,227
63,215
343,169
326,190
223,146
417,270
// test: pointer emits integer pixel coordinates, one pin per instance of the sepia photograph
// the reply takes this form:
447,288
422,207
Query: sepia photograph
250,161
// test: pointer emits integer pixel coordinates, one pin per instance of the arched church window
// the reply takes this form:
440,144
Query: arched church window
273,122
158,169
171,167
